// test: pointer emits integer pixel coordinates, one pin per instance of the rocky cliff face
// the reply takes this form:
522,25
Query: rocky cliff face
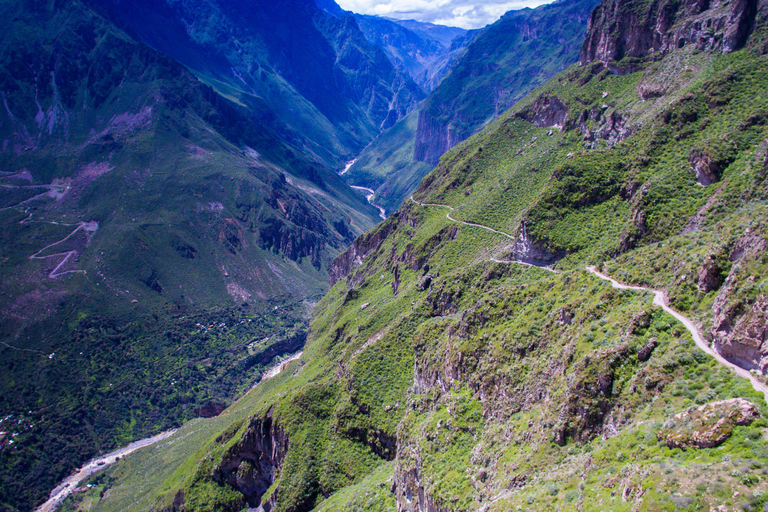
251,465
740,326
434,138
618,29
501,64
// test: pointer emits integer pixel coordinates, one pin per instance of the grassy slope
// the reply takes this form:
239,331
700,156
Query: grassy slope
516,388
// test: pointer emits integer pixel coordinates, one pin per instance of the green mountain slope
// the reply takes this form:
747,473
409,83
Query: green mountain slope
447,369
160,243
500,65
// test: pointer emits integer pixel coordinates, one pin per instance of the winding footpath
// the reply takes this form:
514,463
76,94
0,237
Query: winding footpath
88,227
518,262
660,300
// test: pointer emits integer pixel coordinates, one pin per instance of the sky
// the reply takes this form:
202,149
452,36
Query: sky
457,13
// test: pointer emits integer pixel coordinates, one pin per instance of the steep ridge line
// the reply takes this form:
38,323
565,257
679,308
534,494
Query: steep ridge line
660,300
448,216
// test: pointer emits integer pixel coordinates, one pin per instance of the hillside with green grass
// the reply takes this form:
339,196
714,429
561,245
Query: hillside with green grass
466,358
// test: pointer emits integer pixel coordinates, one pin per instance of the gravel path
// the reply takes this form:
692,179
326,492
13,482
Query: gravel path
660,299
448,216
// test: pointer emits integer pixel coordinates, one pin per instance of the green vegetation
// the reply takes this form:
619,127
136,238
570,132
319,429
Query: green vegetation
480,383
158,247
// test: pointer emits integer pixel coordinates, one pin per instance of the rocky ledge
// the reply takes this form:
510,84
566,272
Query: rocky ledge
617,30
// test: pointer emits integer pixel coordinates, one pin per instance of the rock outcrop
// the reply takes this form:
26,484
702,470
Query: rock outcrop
740,324
707,170
433,138
546,111
250,465
618,30
533,251
709,425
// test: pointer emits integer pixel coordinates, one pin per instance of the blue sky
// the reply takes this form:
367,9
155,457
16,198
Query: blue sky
457,13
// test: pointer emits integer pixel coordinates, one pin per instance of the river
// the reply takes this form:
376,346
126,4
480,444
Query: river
369,195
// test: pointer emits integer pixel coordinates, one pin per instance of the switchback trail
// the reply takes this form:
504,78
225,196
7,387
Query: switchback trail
88,227
448,216
660,300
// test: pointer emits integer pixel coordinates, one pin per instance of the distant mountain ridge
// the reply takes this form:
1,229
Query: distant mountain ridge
314,70
500,64
510,58
424,51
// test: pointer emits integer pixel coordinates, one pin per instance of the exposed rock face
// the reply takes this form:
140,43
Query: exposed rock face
532,251
612,127
410,492
546,111
250,466
360,248
709,425
743,338
707,170
433,138
740,326
710,275
616,30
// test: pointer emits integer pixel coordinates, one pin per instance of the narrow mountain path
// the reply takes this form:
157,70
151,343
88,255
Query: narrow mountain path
660,299
448,216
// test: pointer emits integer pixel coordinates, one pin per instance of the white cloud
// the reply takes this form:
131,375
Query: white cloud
457,13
